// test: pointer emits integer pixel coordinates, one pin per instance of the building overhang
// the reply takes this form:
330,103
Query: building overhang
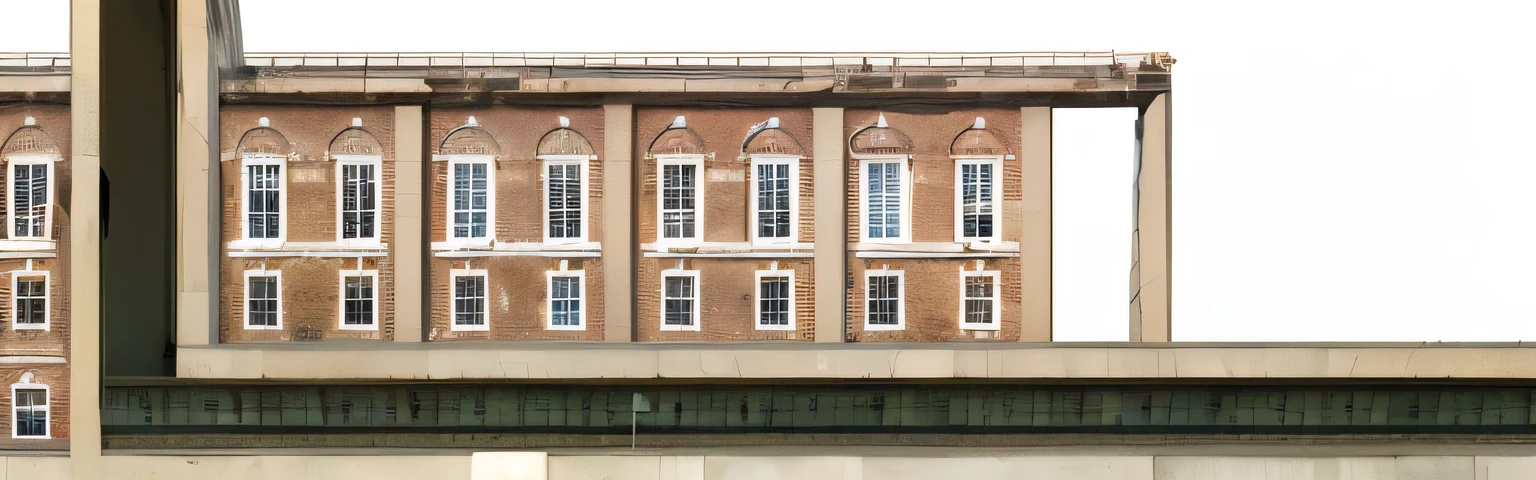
1144,362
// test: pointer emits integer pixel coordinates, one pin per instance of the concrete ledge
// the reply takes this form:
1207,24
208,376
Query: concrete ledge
555,361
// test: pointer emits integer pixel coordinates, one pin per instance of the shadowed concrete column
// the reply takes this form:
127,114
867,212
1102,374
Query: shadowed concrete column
1035,243
1151,241
196,176
85,239
831,227
618,223
410,289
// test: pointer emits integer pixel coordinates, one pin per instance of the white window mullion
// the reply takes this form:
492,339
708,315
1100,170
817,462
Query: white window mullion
29,300
980,300
30,415
264,202
885,200
470,295
680,300
471,199
263,300
359,194
976,190
359,299
775,301
31,196
565,199
775,199
567,300
680,199
885,298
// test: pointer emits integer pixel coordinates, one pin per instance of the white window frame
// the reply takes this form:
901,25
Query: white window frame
901,300
549,298
47,397
794,198
662,161
581,162
453,308
675,272
997,299
341,312
263,159
997,211
47,299
10,193
905,162
377,163
490,200
757,300
245,296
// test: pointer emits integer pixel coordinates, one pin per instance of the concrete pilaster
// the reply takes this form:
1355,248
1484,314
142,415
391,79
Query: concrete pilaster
618,223
85,239
830,191
1151,242
197,163
1035,242
408,248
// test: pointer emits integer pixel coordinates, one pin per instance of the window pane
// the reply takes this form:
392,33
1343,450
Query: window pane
677,200
357,201
359,302
678,297
469,300
884,302
564,201
773,301
31,301
470,200
261,302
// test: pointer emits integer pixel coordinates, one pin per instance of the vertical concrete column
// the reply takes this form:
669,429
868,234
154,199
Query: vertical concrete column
831,250
1151,311
1035,242
618,223
197,160
85,239
408,249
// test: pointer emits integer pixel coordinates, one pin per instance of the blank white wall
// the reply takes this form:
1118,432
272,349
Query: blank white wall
1092,169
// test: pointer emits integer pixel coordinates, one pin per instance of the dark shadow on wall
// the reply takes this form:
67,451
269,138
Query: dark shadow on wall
138,155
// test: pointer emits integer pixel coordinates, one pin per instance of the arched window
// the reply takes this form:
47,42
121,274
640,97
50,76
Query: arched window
565,154
471,154
359,191
978,158
29,156
264,156
884,155
774,186
679,154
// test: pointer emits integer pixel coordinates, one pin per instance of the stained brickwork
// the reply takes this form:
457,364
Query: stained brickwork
932,302
518,287
310,286
51,134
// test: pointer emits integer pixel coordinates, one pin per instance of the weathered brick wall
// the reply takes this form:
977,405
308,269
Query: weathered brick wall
517,290
727,293
932,303
56,377
518,286
310,286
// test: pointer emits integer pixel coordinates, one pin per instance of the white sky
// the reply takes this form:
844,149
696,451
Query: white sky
1342,170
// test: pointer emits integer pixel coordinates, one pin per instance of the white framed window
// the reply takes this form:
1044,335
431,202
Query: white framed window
263,300
680,300
679,199
565,198
29,409
980,300
775,307
885,200
775,199
359,300
976,199
884,299
567,295
30,196
470,301
264,179
471,199
29,300
358,194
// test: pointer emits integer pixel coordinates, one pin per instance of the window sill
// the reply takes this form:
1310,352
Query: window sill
517,249
935,250
365,328
249,327
19,326
28,248
983,327
883,328
729,250
776,328
680,328
470,328
246,248
566,328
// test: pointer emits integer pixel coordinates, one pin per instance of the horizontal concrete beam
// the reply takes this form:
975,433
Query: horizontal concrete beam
556,361
39,83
